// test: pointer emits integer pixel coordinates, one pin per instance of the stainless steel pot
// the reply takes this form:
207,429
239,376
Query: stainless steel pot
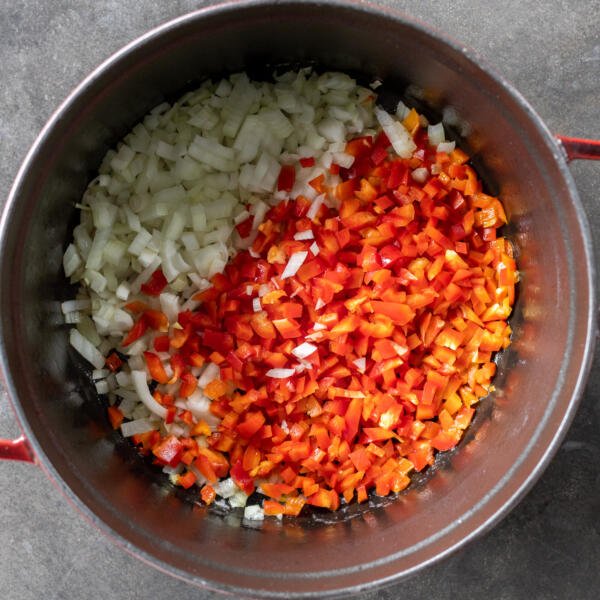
516,431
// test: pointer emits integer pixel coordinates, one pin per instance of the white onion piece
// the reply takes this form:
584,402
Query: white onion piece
295,262
436,134
400,350
264,289
315,206
210,373
169,304
399,137
141,387
238,500
256,305
307,234
123,378
280,373
254,513
86,349
446,147
74,305
303,350
402,110
73,318
199,405
314,248
71,260
360,364
100,374
101,386
136,427
421,174
226,488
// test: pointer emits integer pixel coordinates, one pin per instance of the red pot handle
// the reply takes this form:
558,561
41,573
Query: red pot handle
576,148
18,449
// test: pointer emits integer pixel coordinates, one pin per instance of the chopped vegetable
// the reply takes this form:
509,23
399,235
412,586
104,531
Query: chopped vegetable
305,300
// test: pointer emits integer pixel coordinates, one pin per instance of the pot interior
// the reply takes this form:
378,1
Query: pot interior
515,428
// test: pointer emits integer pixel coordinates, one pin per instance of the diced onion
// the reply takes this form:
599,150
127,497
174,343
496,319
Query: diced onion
307,234
256,305
303,350
73,318
254,512
210,373
169,304
136,427
399,137
400,350
71,260
101,386
226,488
421,174
238,500
86,349
264,289
315,206
436,134
100,374
280,373
446,147
360,364
141,387
73,305
295,262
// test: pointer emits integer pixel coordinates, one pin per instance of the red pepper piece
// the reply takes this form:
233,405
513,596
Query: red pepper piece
114,362
242,478
218,340
115,416
137,331
156,284
308,161
245,227
169,451
155,367
188,385
287,177
187,480
253,422
161,343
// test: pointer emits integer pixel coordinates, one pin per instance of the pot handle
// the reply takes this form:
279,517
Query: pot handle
18,449
578,148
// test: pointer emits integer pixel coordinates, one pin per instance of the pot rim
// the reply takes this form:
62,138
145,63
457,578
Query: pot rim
487,517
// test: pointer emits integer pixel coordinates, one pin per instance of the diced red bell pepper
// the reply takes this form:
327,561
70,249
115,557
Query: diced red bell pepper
169,451
245,227
156,284
242,478
155,367
308,161
286,179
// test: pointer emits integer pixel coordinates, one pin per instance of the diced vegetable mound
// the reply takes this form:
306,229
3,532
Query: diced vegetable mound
286,289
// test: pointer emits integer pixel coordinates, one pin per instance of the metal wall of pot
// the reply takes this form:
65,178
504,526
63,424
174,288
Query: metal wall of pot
56,402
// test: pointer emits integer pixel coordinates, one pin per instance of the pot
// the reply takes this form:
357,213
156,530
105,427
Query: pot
517,430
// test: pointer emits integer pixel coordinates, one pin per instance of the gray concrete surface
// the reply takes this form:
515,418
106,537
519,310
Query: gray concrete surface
549,546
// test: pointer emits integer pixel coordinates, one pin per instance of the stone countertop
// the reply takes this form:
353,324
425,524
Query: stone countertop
549,546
